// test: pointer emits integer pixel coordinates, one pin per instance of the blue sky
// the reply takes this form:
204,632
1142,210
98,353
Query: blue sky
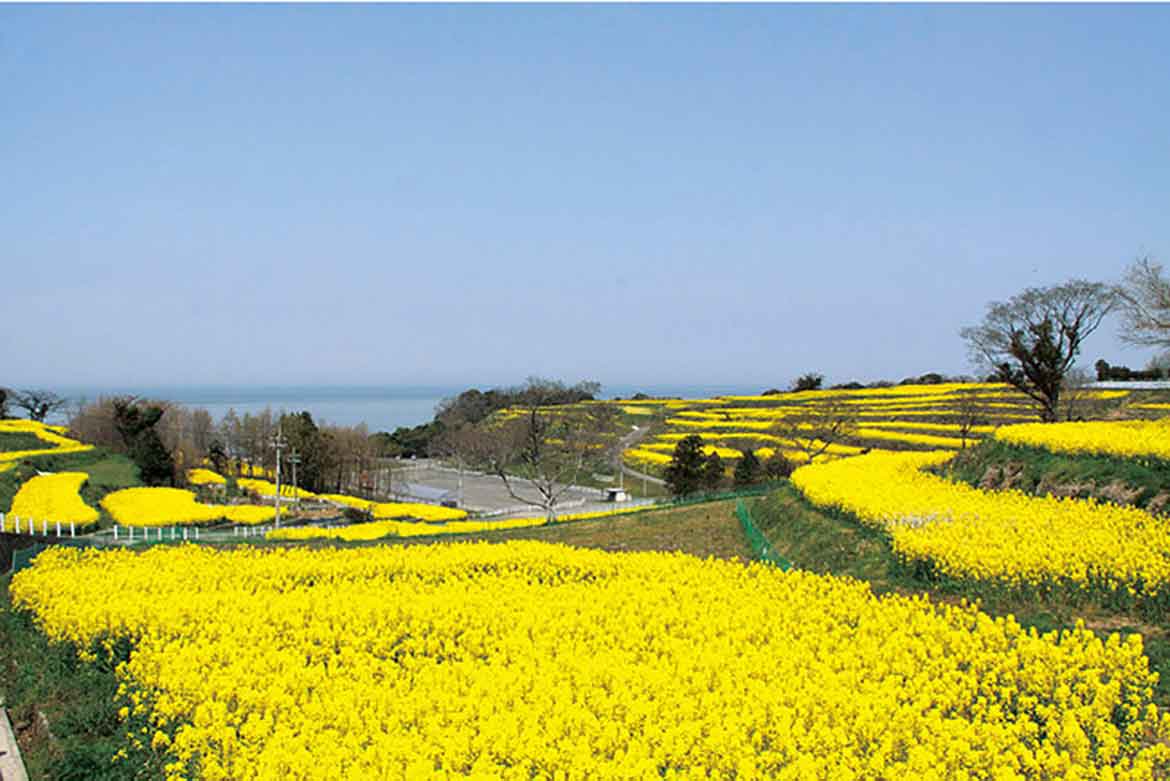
636,194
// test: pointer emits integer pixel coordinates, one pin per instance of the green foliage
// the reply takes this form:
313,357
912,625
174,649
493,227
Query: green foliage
684,473
11,441
77,701
136,425
1036,470
808,382
778,467
748,469
713,472
305,438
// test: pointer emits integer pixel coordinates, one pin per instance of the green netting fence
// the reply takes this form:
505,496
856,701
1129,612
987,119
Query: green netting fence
761,548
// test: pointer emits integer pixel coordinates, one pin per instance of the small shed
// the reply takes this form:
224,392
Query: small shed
616,495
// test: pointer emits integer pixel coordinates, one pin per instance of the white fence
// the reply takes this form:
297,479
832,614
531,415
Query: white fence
14,524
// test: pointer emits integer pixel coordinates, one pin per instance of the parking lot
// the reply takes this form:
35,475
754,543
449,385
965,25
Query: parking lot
428,480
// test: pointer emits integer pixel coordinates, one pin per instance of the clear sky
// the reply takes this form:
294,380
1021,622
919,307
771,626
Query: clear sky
649,194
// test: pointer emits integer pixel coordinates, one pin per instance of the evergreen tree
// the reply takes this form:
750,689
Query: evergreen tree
136,425
712,472
684,473
748,470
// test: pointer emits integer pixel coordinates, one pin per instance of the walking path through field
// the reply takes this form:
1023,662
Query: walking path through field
626,442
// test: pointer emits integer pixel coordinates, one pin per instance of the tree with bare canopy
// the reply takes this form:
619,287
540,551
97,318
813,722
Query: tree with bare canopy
1145,294
1032,340
39,403
816,429
540,451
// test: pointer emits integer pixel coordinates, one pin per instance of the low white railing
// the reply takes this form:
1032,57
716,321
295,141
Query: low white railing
14,524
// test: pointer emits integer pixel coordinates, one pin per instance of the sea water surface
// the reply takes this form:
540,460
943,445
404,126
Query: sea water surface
380,407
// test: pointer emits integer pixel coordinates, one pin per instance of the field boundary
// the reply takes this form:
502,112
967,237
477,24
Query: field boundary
762,548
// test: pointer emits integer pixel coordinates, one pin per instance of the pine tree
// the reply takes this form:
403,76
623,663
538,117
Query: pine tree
747,471
684,473
713,472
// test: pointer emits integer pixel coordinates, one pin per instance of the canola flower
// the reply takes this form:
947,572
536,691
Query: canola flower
392,510
265,488
51,435
1072,546
1122,438
170,506
907,438
54,497
529,660
377,530
205,477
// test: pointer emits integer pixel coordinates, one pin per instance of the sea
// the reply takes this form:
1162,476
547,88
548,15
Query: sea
380,407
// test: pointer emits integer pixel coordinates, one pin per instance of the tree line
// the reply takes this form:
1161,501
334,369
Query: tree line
165,439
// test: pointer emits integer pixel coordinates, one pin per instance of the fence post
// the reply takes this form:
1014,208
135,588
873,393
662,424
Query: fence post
16,523
1,523
184,533
44,527
196,532
115,532
130,532
58,528
72,530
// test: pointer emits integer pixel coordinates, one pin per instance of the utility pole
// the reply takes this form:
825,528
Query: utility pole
278,442
294,459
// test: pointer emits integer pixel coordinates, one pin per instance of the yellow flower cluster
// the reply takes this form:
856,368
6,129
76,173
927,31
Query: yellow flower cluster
1004,537
376,530
265,488
1124,438
52,435
249,470
170,506
907,438
54,497
528,660
391,510
205,477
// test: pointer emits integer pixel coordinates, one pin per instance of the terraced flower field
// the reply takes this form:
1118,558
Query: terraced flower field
904,417
535,661
1070,547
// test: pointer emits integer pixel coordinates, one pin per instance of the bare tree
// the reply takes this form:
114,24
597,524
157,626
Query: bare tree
39,403
818,428
1032,340
1145,293
544,450
970,413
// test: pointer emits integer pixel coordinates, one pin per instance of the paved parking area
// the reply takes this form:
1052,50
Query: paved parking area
482,493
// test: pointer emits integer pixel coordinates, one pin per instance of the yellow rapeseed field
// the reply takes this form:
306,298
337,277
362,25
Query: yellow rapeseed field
1005,537
170,506
391,510
376,530
51,435
529,660
205,477
1124,438
265,488
54,497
